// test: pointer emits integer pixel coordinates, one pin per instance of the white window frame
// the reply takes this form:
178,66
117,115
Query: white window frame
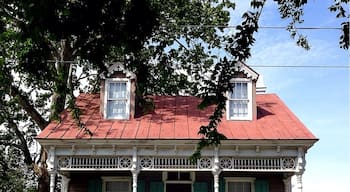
249,116
250,180
106,91
115,179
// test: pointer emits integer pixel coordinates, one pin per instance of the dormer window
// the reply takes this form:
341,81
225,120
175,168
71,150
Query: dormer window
117,98
239,106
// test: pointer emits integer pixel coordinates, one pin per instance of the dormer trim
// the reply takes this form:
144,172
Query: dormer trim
117,67
249,72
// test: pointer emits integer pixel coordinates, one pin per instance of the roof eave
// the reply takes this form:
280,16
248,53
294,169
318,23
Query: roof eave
139,142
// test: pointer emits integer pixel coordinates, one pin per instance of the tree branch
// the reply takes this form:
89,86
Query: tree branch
24,147
28,107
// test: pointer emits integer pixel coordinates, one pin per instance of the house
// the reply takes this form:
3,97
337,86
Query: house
126,152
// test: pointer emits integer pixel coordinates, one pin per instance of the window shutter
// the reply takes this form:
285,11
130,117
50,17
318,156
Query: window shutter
222,185
140,186
261,186
156,186
95,185
200,187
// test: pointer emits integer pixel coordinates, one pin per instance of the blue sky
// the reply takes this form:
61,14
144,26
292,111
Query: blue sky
318,96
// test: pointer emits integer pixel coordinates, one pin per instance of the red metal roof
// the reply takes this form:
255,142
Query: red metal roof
178,118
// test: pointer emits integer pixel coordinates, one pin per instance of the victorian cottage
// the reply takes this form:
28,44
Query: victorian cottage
129,152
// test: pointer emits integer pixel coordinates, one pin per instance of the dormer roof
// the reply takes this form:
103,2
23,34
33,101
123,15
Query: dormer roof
247,71
117,67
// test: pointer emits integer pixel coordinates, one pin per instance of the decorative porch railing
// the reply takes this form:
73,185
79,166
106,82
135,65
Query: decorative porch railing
175,163
228,163
88,162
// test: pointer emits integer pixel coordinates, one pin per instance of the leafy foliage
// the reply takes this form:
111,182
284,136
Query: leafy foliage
341,7
14,175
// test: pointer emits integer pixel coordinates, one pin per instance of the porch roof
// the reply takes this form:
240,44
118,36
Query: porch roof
178,118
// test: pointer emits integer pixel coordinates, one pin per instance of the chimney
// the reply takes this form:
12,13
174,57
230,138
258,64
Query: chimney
260,85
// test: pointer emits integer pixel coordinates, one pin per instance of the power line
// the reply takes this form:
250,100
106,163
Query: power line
303,66
263,27
264,66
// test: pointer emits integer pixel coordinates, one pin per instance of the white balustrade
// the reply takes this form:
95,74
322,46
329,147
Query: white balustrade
168,163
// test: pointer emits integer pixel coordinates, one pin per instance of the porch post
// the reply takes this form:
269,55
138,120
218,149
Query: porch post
216,169
134,170
134,180
300,167
298,183
51,167
287,184
65,183
216,181
52,180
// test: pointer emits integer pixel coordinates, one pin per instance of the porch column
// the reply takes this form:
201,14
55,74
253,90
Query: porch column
216,169
51,167
134,170
297,181
216,181
134,180
65,183
287,184
52,180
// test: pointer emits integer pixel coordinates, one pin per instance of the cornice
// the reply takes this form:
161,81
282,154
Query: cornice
115,67
249,72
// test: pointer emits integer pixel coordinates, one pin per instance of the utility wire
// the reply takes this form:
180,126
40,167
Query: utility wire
302,66
264,27
265,66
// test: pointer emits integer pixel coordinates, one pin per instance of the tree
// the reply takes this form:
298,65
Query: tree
43,42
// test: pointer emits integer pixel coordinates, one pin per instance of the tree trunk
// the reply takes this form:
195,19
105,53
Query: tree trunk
62,77
59,97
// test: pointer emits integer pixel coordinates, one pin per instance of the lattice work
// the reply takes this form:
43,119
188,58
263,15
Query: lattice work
174,163
166,163
257,163
94,162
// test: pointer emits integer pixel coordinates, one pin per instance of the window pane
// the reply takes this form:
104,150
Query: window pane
244,93
116,108
112,90
183,176
238,108
240,91
117,90
239,187
117,186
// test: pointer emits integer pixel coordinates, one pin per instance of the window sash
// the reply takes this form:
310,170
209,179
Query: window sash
117,99
117,186
116,108
239,100
117,91
239,187
239,91
239,108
